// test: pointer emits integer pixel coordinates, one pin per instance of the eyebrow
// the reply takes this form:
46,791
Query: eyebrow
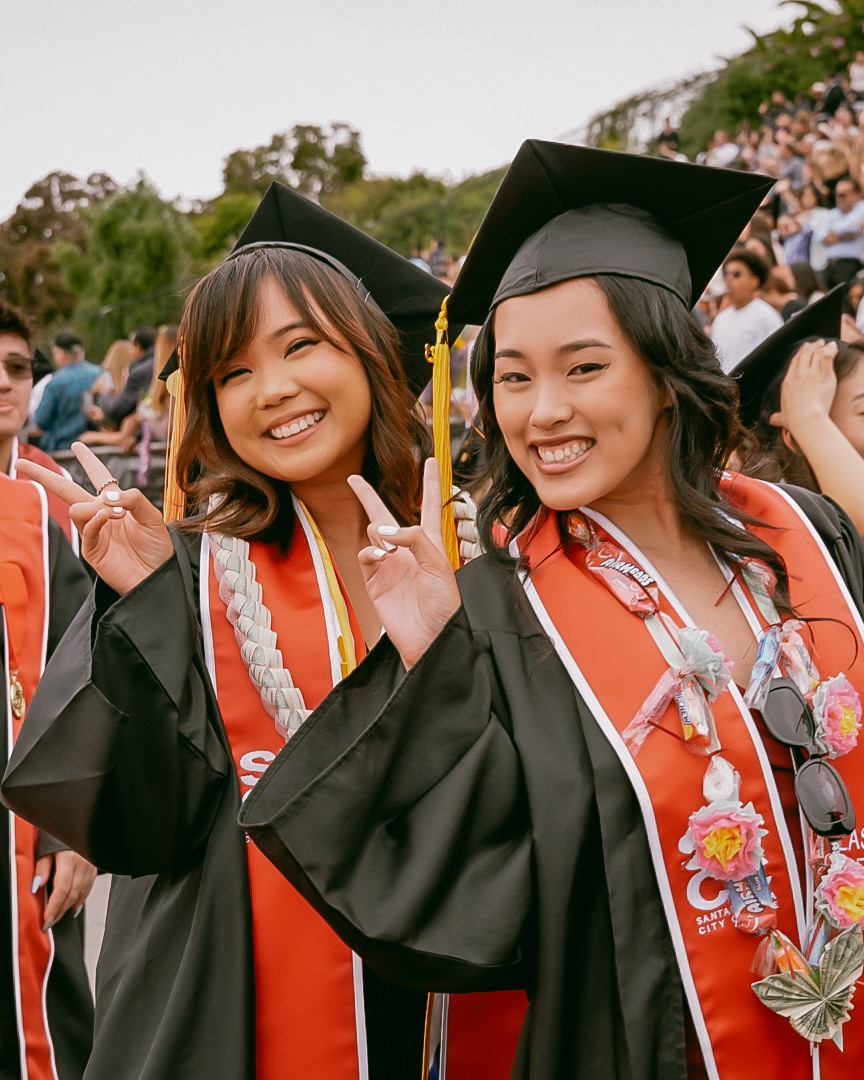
570,347
287,329
858,397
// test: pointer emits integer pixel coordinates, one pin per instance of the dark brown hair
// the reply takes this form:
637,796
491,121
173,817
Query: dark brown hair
13,321
702,429
220,319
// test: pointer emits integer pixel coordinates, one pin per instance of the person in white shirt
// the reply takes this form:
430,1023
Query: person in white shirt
748,319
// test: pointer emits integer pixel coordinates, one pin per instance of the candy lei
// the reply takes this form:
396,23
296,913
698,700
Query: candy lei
813,988
249,615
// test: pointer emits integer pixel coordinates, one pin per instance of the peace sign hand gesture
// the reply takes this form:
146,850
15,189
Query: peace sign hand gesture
407,574
123,536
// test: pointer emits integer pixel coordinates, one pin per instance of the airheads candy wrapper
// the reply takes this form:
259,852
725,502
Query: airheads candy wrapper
627,581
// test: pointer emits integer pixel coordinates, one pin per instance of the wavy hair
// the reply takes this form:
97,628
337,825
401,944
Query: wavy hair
701,420
220,319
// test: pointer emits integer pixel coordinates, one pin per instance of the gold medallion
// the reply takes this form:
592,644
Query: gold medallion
17,699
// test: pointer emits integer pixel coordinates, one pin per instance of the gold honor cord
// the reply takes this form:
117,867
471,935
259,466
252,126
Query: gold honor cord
174,503
439,356
347,655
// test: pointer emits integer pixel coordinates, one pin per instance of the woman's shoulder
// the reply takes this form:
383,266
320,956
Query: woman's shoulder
494,600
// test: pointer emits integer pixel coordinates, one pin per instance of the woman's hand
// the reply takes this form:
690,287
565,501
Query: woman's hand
123,536
808,388
71,879
406,570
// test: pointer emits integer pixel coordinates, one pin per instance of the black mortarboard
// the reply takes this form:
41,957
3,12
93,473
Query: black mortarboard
566,211
410,297
761,372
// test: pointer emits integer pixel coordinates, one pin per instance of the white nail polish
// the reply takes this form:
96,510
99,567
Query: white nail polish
379,553
388,546
112,496
35,885
388,530
77,911
117,509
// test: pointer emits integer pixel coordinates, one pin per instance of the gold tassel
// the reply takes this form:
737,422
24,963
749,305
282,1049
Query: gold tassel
439,357
174,503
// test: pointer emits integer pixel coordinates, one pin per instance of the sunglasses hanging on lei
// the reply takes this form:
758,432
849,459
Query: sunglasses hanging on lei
813,987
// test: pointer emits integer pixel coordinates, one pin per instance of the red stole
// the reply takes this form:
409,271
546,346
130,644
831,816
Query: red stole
599,640
476,1035
56,507
306,1014
24,596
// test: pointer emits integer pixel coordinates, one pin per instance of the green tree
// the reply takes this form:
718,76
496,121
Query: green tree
316,159
135,251
218,225
48,213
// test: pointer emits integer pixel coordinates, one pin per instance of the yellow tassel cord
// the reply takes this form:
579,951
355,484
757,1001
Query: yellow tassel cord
439,357
174,505
347,655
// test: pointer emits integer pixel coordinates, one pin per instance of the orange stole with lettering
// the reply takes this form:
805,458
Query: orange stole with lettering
305,1018
23,594
745,1039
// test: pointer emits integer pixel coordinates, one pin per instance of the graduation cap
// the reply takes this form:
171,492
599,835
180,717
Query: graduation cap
565,212
760,374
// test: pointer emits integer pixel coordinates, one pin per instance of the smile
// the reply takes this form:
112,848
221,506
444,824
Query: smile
558,455
284,431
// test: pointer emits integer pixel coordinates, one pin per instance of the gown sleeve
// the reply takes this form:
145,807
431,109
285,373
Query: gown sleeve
116,757
398,810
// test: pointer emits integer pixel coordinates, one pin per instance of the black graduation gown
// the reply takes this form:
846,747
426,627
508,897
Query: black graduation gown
495,838
124,756
69,1005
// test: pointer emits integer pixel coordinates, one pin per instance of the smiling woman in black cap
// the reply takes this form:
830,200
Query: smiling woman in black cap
203,650
553,779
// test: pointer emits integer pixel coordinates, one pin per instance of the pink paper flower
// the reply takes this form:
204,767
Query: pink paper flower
837,712
840,895
725,840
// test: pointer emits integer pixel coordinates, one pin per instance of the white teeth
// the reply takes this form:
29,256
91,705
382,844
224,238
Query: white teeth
564,453
296,426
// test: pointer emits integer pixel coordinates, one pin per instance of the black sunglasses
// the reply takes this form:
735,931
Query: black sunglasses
819,788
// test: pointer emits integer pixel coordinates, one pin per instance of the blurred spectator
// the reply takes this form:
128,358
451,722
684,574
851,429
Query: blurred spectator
438,259
760,244
721,151
841,233
748,319
806,283
779,292
834,95
856,76
60,414
667,142
115,407
813,212
115,368
420,257
795,238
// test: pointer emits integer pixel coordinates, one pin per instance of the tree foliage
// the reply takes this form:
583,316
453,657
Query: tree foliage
30,275
135,252
316,159
819,42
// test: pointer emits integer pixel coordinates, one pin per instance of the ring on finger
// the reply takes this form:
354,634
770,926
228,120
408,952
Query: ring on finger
110,480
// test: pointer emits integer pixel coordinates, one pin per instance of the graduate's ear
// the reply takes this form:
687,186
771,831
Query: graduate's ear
790,442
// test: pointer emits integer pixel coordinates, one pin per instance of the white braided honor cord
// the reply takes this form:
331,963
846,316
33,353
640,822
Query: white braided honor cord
252,622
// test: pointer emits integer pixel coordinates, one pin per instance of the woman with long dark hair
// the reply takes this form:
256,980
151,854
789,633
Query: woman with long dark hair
203,649
571,763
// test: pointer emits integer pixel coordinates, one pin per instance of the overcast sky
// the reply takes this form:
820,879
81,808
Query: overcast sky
171,86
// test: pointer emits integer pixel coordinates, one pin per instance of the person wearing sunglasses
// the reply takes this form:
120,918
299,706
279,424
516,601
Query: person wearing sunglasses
16,385
560,762
748,319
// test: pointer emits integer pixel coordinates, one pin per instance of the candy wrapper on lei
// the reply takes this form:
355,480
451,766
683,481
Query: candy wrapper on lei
704,673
